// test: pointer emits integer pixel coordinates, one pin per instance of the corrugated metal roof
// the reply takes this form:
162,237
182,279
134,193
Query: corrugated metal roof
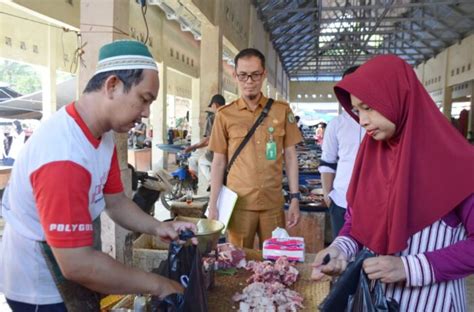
321,38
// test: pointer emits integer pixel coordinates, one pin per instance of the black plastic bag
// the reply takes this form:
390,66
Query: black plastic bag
370,297
343,291
183,264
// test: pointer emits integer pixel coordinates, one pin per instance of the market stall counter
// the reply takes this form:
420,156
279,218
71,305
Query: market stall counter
314,212
226,286
314,217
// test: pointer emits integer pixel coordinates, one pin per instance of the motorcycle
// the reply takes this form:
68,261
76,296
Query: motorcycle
183,181
148,187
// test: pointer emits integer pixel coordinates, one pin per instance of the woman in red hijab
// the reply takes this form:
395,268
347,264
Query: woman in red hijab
411,196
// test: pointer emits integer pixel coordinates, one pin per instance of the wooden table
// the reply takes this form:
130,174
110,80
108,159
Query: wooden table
220,297
4,175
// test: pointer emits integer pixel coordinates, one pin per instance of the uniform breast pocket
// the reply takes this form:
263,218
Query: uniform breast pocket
279,132
278,137
236,136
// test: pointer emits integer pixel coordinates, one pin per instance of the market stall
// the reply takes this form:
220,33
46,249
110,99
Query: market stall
314,213
229,283
226,286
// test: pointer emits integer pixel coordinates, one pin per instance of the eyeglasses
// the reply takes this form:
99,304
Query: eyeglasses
255,77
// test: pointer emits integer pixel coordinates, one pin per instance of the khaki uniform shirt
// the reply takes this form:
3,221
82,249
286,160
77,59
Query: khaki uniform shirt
256,180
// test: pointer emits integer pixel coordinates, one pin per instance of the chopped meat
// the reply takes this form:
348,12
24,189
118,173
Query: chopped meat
268,290
268,297
229,256
282,271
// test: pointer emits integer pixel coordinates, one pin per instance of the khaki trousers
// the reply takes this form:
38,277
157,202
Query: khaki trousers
244,224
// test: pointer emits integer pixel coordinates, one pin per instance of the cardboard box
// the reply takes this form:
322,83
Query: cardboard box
148,252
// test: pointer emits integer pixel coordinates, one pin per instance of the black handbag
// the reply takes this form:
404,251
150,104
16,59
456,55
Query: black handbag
351,292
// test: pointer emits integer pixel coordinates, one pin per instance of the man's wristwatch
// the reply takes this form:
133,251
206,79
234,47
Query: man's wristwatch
294,195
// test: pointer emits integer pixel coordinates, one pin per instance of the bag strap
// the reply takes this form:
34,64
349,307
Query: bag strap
259,120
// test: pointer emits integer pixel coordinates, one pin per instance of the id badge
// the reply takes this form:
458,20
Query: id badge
271,151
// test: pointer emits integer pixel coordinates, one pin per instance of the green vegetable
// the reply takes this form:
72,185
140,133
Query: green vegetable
229,271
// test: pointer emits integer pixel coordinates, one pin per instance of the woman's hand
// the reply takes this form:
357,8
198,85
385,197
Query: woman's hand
336,265
388,269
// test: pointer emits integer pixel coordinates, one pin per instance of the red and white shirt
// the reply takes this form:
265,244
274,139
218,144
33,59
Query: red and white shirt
56,190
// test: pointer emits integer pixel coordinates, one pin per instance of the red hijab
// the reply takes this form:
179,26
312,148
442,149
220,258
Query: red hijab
402,185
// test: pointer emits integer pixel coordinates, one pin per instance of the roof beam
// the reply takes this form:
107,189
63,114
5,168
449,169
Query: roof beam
441,22
416,33
462,15
369,7
378,32
374,50
336,45
311,56
354,20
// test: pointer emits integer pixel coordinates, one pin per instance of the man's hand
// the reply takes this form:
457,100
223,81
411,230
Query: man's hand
336,265
293,214
213,213
388,269
168,231
327,200
170,287
188,149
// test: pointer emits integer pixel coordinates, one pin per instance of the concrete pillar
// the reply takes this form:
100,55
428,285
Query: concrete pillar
273,91
211,67
470,127
101,23
447,102
264,87
196,114
48,79
447,91
159,120
197,121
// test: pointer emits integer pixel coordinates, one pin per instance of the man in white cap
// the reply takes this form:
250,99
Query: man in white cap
65,177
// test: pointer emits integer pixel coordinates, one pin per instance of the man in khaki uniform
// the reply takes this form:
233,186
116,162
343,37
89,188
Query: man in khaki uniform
255,176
